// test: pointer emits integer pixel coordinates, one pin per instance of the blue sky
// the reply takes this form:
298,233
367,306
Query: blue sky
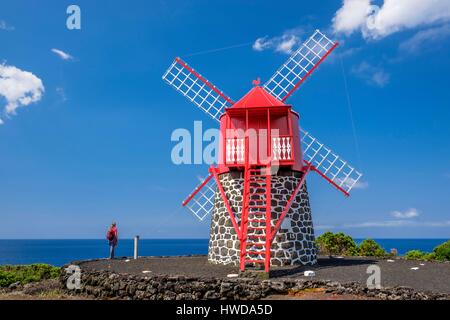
93,144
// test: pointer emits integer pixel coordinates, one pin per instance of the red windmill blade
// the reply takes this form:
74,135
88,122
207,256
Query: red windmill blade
201,201
328,164
299,66
197,89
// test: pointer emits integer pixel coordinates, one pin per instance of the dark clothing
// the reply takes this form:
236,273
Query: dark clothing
111,251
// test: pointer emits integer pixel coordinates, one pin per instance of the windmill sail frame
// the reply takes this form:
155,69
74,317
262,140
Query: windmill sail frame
299,66
211,100
197,89
328,164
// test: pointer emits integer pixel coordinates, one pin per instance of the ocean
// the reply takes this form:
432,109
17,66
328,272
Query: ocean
60,252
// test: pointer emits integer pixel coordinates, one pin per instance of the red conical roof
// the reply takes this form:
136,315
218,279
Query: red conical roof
258,97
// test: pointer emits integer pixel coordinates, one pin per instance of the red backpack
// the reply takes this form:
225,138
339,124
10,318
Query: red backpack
110,235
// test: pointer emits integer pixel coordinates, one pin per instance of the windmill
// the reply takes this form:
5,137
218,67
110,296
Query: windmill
257,193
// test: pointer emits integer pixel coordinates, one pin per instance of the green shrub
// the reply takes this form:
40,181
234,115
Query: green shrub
27,273
369,248
7,278
429,256
336,244
442,251
415,255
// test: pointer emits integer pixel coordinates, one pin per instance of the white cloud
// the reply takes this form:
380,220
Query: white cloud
350,182
351,16
408,214
348,52
361,185
262,44
61,93
398,224
63,55
425,40
356,185
402,219
5,26
373,75
438,224
394,15
284,43
385,224
324,227
380,78
19,88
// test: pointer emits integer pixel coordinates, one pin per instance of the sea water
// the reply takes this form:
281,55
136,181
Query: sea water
60,252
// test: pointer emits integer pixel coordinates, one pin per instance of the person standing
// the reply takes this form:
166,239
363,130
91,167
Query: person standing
112,237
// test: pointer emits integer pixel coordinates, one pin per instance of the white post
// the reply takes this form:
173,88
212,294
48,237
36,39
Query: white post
136,240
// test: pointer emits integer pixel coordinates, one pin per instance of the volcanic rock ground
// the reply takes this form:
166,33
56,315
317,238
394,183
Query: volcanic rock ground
430,276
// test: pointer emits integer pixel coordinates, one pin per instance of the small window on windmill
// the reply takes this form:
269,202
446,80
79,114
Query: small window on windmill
286,225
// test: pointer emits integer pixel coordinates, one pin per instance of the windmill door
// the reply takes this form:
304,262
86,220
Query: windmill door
258,140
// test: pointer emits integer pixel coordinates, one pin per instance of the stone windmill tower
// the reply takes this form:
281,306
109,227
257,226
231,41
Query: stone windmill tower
257,193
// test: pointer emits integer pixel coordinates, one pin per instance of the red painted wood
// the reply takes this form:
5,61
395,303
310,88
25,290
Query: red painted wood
257,97
263,208
185,202
201,78
254,116
288,204
328,179
225,200
309,73
268,218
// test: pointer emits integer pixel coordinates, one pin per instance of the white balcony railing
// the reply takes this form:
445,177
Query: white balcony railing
282,148
235,150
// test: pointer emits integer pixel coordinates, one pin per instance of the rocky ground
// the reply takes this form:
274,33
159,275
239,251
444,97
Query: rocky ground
429,276
44,290
335,279
50,290
317,294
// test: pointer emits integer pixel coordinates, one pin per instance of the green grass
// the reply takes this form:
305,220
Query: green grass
27,273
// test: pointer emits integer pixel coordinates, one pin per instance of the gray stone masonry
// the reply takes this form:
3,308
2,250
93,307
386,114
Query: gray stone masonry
294,243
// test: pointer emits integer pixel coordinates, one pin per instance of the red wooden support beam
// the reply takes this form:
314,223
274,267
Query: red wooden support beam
201,78
185,202
310,71
225,200
288,204
268,217
328,179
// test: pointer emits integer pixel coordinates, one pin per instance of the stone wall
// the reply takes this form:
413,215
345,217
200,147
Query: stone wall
108,285
294,243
